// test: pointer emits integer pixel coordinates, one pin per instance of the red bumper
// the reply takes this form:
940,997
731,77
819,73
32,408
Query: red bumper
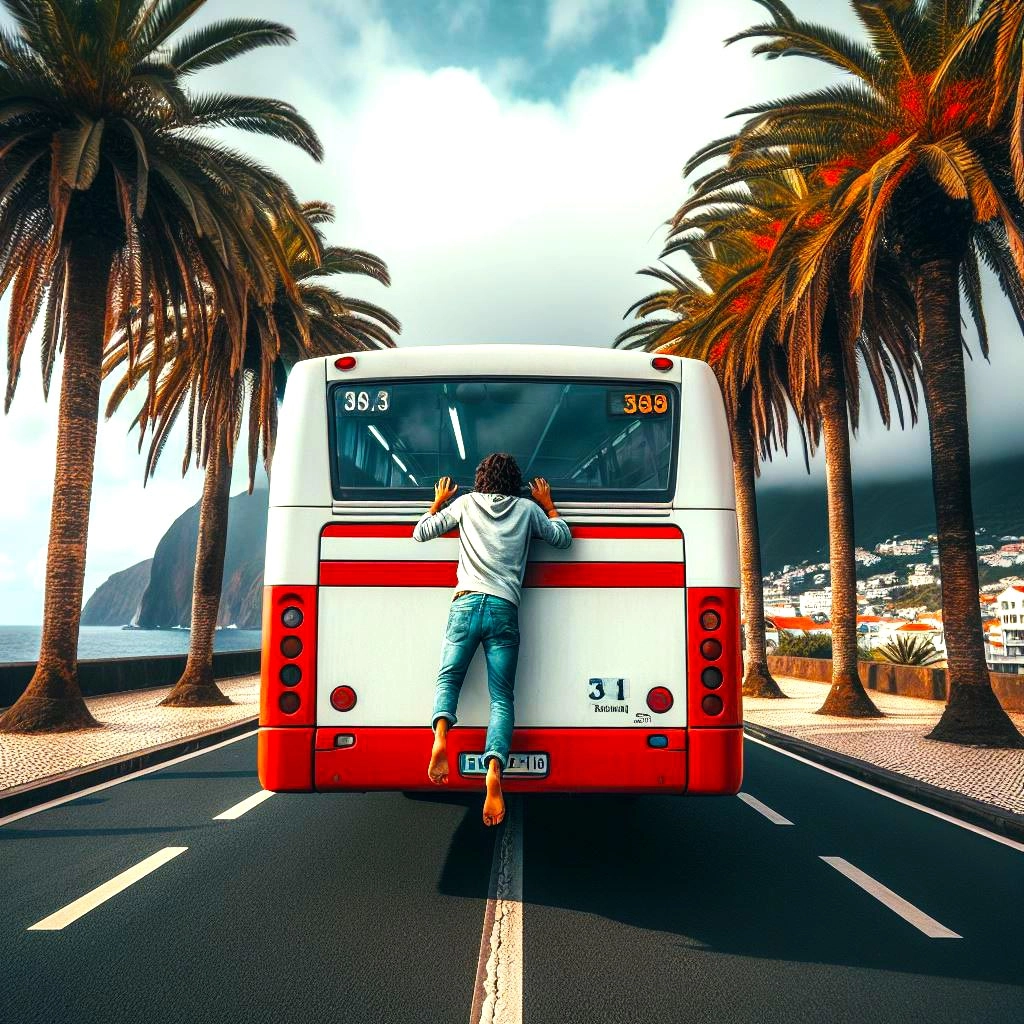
705,761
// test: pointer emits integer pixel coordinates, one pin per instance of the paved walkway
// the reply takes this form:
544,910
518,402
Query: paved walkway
132,722
897,742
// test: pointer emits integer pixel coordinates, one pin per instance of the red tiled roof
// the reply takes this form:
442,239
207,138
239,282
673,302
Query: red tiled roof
869,618
1019,589
918,627
797,622
988,598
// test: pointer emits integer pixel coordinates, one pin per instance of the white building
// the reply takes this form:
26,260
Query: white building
910,546
814,602
1004,644
920,578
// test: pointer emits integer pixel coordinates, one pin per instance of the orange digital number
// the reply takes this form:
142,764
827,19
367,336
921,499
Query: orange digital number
660,403
645,404
629,404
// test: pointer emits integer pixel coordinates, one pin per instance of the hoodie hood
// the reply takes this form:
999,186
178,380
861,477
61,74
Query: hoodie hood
497,506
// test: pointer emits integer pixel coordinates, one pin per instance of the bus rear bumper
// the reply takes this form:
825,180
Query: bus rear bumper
703,761
578,760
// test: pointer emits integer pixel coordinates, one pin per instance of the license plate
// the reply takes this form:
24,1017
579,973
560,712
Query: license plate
535,764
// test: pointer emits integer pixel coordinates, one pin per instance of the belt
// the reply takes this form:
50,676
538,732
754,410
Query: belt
460,593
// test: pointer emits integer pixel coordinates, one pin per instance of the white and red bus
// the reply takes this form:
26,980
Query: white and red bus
629,666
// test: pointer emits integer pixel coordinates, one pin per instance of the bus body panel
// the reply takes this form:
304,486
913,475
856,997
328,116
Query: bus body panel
381,604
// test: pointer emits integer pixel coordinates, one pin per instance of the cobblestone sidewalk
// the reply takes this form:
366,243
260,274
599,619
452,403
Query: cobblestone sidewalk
132,721
897,742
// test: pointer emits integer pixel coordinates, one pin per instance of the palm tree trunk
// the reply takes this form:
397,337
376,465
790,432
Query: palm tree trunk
973,714
847,698
197,686
52,701
757,680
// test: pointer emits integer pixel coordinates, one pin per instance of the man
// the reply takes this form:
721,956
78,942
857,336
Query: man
495,527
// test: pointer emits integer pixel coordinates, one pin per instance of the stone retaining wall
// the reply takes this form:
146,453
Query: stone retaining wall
907,680
115,675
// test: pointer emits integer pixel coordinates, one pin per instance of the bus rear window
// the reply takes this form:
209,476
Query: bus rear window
593,441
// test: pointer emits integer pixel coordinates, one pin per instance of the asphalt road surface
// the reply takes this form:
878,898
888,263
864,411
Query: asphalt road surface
812,898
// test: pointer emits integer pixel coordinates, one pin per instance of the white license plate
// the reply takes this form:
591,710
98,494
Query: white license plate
535,764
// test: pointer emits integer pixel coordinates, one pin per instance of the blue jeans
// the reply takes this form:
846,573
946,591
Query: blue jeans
474,619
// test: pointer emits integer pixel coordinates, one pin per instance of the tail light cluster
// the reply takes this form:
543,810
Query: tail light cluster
288,665
713,643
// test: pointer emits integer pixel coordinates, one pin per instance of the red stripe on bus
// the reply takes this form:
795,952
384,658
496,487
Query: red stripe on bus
627,532
579,532
373,530
538,574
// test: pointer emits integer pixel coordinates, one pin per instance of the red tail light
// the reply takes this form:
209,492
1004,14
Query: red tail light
713,658
343,698
345,363
288,666
659,700
662,363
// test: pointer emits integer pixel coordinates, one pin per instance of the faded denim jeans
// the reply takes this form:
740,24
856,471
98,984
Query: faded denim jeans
475,619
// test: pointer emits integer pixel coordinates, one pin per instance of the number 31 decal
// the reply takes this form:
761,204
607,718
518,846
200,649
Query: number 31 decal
597,691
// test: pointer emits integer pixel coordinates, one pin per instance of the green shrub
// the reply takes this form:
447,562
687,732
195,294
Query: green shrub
810,645
909,650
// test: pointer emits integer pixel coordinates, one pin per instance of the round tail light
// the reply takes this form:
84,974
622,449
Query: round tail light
291,617
711,650
289,702
662,363
711,677
291,646
343,698
345,363
711,704
710,619
659,700
290,675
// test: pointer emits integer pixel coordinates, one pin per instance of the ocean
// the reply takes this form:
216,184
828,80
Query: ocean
21,643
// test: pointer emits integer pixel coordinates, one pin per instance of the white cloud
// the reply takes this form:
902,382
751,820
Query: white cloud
578,21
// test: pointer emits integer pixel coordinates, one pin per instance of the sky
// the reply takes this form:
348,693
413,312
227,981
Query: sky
514,162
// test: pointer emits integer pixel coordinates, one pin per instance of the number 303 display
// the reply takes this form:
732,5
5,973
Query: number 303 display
368,403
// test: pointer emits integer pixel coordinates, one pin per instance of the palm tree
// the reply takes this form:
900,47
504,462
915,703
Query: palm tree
913,162
115,205
753,381
824,355
306,318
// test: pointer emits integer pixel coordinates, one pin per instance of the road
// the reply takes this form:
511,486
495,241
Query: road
372,907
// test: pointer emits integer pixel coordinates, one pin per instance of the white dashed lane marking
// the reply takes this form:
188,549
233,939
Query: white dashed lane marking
78,908
498,994
773,816
246,805
897,904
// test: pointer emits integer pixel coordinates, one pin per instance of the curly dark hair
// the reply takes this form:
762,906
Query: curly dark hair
499,474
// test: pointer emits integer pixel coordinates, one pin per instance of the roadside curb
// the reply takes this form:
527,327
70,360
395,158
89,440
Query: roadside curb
977,812
52,787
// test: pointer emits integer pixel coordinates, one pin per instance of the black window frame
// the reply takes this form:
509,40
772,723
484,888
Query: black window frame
576,496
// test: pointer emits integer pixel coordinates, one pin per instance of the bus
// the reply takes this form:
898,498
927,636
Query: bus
629,669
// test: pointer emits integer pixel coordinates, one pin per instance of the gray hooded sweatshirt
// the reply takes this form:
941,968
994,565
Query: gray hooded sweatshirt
494,537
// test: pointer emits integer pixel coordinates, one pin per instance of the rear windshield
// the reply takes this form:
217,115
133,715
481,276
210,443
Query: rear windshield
592,440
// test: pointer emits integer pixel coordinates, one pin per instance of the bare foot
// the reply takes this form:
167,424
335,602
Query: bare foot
494,802
437,770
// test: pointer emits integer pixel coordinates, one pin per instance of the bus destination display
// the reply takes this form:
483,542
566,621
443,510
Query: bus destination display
365,402
637,403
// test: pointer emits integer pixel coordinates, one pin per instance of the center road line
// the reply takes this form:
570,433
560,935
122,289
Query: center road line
969,826
78,908
246,805
498,993
773,816
897,904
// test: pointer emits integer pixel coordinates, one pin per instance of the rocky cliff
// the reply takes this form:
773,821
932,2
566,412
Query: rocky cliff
116,601
164,598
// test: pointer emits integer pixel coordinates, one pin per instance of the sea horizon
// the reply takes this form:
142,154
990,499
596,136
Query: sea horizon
20,643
